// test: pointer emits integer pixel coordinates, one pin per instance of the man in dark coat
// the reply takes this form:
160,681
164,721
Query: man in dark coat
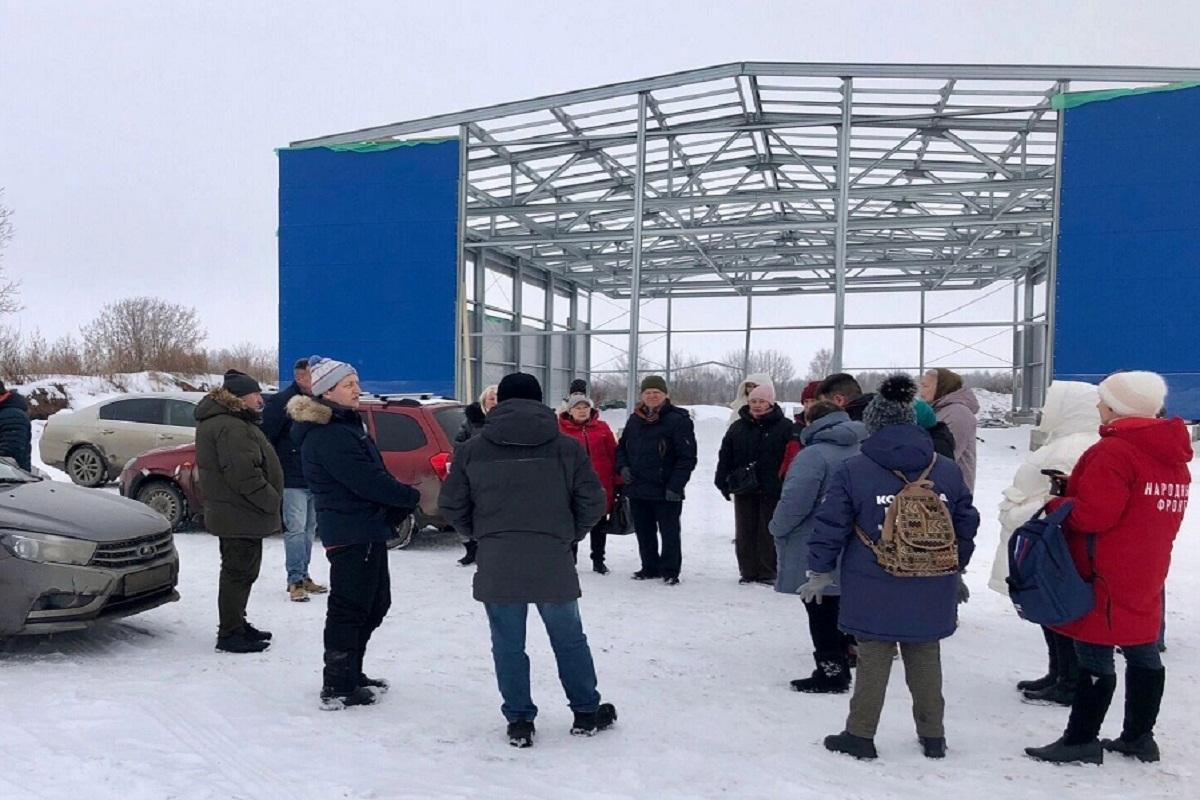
844,391
242,483
527,494
299,512
884,611
655,458
358,502
15,432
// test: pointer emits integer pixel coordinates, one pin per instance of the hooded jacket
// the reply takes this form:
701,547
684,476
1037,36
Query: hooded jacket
526,493
661,453
473,419
743,394
16,433
761,441
357,499
858,405
827,443
601,448
241,479
277,426
876,605
958,410
1071,423
1130,489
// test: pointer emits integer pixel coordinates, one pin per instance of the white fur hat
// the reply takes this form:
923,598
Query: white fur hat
1134,394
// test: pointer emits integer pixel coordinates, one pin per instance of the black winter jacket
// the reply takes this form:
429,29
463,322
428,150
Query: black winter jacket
943,440
472,424
277,426
758,441
526,493
15,433
240,476
357,499
660,454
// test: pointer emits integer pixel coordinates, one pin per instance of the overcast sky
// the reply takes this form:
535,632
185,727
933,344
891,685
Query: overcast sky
136,139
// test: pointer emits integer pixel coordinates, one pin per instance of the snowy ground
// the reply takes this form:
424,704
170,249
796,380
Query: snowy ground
699,672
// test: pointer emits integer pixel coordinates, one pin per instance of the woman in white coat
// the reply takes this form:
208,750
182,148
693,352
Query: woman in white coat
743,393
1071,424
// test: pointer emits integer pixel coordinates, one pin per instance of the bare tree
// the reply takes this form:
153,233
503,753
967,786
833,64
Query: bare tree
9,289
144,333
821,366
260,362
767,362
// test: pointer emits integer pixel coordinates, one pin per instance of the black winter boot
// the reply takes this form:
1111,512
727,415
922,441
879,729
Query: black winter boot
832,675
1143,698
589,723
255,633
1079,743
1062,693
520,733
341,689
851,745
469,557
598,566
933,746
241,641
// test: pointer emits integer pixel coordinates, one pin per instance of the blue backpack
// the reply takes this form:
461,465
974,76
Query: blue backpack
1043,583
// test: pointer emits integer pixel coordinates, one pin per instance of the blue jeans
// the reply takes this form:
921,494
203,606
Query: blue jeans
299,528
1098,658
575,667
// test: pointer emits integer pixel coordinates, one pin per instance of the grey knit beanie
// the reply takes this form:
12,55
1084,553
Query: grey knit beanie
892,405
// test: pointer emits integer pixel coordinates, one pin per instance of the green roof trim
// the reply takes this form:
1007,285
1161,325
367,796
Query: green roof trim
1067,100
372,147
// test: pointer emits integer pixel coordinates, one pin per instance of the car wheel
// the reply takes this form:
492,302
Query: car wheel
87,467
166,499
404,532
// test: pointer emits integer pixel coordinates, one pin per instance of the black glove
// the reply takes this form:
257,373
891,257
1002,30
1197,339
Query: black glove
964,594
672,497
627,474
728,497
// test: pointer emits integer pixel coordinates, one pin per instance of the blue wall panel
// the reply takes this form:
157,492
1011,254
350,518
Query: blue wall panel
367,262
1128,288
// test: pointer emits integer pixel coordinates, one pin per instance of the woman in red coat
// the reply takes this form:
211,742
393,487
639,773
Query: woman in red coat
582,421
1129,492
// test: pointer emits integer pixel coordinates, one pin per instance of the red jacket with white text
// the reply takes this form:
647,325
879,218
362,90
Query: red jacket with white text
1130,489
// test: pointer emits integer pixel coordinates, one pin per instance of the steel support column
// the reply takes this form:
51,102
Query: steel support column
635,293
1052,262
921,337
843,209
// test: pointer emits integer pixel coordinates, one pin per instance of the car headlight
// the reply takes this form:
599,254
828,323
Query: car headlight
47,548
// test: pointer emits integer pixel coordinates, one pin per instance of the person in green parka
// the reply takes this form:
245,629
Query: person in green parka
242,483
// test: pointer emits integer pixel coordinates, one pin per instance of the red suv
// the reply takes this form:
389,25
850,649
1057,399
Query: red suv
415,437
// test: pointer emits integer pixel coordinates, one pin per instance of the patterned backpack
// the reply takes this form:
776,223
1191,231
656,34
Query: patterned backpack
918,532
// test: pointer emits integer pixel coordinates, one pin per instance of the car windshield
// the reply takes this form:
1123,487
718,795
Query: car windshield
450,419
10,473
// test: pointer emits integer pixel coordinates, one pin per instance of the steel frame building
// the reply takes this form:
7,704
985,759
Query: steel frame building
758,179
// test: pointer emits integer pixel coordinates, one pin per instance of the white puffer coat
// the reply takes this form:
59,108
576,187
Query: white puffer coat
1071,422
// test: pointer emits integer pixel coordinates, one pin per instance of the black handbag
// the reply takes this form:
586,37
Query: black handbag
620,521
743,480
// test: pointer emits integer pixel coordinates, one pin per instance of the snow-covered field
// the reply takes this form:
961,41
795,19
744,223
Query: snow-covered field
699,672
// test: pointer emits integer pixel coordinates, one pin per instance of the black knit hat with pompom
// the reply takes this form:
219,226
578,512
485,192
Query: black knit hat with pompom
892,405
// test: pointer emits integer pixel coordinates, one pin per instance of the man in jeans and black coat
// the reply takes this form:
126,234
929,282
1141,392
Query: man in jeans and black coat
242,484
358,502
527,493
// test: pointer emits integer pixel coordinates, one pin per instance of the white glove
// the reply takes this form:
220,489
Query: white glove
812,589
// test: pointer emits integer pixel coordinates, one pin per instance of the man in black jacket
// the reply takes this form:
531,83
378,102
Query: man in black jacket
15,429
299,512
656,456
358,501
844,391
527,493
